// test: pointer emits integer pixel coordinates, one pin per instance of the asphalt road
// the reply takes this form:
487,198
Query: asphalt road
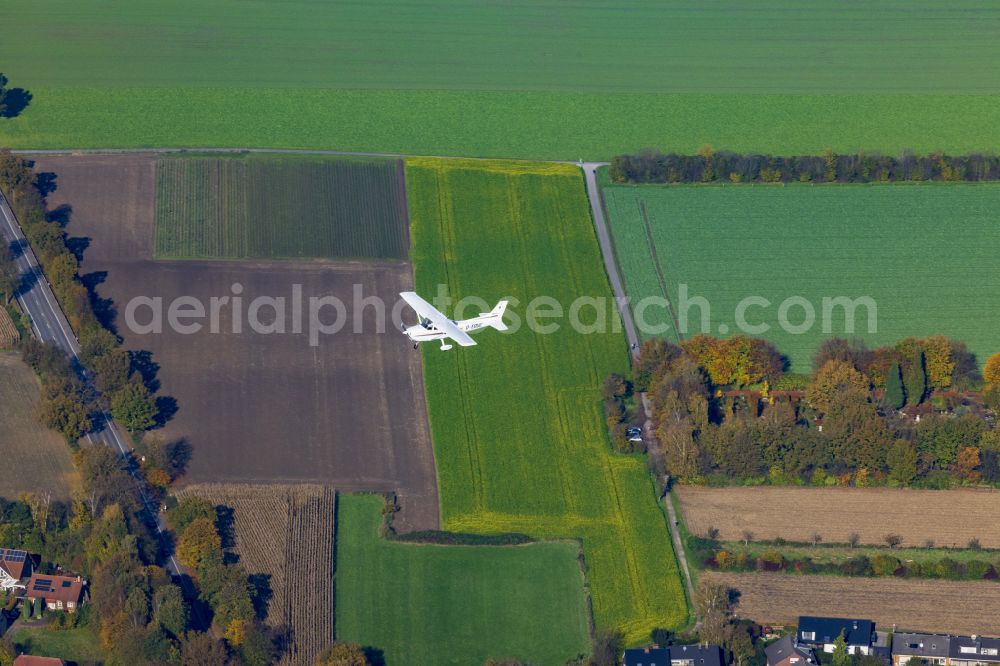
49,324
608,251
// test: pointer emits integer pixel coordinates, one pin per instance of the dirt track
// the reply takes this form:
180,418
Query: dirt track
348,412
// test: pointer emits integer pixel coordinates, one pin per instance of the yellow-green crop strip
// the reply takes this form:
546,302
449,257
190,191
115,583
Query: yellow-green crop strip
518,431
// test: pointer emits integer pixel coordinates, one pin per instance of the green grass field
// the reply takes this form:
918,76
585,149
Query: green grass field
924,254
425,604
281,207
74,645
518,431
551,79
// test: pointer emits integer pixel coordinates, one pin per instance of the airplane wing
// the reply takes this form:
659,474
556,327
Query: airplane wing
437,319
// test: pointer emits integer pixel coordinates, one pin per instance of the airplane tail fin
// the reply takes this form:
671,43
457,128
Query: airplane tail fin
497,314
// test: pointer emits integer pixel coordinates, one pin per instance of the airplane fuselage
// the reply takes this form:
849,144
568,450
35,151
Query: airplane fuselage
425,330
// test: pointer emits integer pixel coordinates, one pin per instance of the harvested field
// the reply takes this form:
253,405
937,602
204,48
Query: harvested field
9,334
948,517
37,459
254,406
285,535
936,606
280,207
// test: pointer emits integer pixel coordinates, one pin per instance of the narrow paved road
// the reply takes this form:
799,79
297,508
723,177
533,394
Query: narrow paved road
49,324
607,249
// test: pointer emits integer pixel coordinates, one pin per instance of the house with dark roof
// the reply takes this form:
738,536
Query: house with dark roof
695,655
648,656
57,592
675,655
929,648
821,632
786,652
973,650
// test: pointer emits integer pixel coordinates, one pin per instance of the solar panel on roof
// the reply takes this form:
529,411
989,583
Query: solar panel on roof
67,583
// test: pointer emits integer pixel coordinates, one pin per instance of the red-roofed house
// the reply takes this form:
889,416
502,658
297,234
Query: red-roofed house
58,592
31,660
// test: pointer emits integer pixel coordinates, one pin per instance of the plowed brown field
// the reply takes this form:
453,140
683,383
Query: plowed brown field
348,412
948,517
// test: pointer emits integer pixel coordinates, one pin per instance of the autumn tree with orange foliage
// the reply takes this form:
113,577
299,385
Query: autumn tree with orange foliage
736,361
938,361
199,539
991,372
967,464
835,382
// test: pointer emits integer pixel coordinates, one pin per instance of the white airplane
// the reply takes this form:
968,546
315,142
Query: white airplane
435,326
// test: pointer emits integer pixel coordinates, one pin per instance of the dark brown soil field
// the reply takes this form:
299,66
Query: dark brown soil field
255,407
935,606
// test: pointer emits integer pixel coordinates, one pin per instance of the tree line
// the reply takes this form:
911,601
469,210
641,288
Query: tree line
223,584
708,166
842,425
714,556
69,404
